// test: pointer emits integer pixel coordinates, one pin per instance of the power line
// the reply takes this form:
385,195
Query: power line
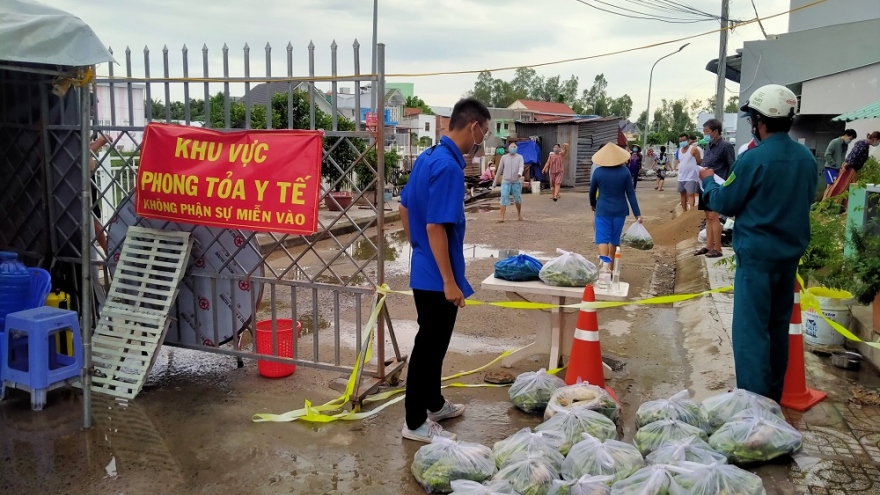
638,15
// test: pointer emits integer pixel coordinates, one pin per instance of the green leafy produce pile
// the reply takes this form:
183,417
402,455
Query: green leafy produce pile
591,457
532,390
719,479
652,480
720,408
653,436
440,462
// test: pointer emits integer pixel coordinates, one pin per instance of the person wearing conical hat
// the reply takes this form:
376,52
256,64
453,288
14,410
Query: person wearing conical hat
611,186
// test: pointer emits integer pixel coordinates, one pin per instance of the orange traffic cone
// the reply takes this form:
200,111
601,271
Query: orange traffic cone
585,362
795,394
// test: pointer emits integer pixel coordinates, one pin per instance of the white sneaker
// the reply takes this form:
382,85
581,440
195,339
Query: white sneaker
426,432
448,411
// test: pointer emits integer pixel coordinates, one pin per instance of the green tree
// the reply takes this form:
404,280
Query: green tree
416,102
621,107
526,84
731,107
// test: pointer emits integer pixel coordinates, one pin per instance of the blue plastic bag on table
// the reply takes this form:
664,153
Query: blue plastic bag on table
519,268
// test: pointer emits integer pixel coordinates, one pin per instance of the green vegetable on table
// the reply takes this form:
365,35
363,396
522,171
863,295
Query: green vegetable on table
569,270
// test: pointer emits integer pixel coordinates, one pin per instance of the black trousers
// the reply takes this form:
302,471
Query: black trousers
436,317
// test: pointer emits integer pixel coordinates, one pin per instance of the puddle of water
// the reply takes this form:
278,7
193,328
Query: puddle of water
484,208
308,324
617,328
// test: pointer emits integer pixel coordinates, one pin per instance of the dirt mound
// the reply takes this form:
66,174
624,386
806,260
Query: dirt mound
686,226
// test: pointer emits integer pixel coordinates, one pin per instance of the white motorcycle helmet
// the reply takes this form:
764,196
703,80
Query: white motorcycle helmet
772,101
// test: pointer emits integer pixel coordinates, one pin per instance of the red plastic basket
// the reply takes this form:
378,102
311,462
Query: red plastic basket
271,369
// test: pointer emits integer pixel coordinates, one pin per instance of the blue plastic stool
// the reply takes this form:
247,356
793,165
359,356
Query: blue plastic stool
31,361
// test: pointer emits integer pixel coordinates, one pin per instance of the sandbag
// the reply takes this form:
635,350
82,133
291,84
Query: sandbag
524,441
572,424
443,460
532,390
593,457
653,436
569,270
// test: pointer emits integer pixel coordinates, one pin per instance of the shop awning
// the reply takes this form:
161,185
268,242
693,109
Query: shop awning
871,111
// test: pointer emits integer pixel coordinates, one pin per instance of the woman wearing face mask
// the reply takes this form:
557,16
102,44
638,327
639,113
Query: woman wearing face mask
556,166
635,164
854,162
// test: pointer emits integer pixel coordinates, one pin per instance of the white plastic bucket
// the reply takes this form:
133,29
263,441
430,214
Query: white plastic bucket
837,307
535,187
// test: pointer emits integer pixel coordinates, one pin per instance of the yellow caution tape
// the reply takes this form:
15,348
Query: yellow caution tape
809,302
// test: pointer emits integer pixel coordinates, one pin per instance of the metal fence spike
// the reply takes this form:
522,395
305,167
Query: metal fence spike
185,49
356,44
268,47
165,48
205,48
289,46
333,45
247,48
146,49
110,49
225,48
127,50
311,45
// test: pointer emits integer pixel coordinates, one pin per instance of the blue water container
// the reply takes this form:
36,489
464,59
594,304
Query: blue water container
15,285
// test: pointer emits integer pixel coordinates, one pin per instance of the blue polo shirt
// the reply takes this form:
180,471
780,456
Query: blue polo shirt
435,195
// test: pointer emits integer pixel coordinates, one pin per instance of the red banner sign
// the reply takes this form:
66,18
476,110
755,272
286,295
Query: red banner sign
266,181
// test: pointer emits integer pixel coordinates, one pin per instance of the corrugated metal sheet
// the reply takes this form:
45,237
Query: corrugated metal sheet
592,135
871,111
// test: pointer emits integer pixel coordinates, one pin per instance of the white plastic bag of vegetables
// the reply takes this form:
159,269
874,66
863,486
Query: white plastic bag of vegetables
572,424
585,485
756,436
568,270
637,237
443,460
532,390
720,408
679,406
652,436
691,449
467,487
529,474
697,479
582,395
596,458
547,443
652,480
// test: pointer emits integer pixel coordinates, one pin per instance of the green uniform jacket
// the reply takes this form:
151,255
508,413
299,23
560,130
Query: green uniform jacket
770,191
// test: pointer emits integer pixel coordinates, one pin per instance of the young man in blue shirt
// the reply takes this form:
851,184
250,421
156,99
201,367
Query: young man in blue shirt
432,214
770,191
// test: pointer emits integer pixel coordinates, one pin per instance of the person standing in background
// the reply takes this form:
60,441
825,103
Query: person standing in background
689,160
610,188
854,162
770,192
719,157
835,155
661,166
635,164
432,215
556,166
511,173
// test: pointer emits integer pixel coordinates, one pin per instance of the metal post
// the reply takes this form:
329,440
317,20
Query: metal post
722,62
374,100
86,256
333,87
311,86
650,82
357,85
380,201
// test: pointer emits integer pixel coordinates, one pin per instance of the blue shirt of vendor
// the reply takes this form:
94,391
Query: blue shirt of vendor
435,195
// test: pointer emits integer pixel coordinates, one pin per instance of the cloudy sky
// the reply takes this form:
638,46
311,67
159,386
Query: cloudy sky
429,36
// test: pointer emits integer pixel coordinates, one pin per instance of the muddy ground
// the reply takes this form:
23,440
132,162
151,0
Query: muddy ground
190,430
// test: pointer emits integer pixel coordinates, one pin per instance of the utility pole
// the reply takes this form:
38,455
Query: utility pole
722,61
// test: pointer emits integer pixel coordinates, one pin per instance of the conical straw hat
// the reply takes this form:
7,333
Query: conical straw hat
611,155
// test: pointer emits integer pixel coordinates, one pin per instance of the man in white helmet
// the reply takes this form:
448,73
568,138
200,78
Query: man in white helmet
770,190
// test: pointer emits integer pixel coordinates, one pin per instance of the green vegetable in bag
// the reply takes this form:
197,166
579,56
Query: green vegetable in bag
720,408
637,237
467,487
652,436
593,457
569,270
572,424
529,474
652,480
679,407
718,479
691,449
524,441
582,395
585,485
443,460
532,390
756,436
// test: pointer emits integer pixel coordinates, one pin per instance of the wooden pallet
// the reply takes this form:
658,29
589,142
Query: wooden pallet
136,313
